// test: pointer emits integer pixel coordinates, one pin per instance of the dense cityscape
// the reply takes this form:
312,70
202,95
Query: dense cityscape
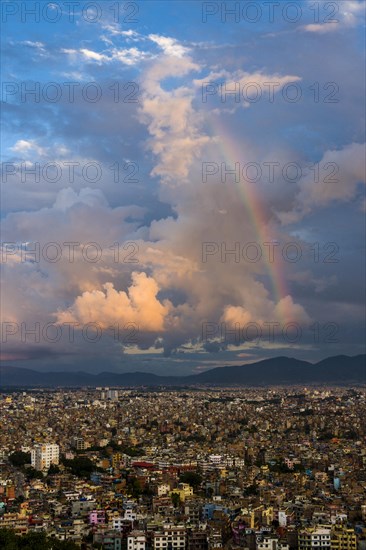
138,469
182,275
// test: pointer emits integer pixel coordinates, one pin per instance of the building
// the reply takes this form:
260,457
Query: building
110,540
136,540
270,542
317,538
78,443
172,536
343,538
163,489
184,490
117,460
97,517
193,511
107,393
43,455
15,521
197,540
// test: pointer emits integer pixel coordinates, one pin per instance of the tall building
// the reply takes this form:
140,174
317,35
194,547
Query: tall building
171,536
107,393
270,542
113,395
343,538
316,537
78,443
197,540
45,454
136,540
336,537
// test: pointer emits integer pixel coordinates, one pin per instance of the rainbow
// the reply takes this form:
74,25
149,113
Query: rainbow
255,213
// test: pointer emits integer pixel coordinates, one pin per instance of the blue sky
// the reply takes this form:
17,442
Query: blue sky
130,111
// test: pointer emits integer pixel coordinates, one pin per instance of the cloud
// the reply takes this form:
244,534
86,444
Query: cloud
94,56
67,198
246,85
282,312
352,12
286,308
31,44
115,30
320,28
129,33
25,147
127,56
139,305
341,172
170,46
236,315
172,122
344,15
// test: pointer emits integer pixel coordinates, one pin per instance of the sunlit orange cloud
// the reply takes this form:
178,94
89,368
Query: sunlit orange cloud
108,306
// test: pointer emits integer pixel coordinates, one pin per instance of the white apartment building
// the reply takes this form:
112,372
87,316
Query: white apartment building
271,543
215,459
317,538
172,537
234,461
117,523
136,540
163,464
45,454
220,461
163,489
130,514
107,393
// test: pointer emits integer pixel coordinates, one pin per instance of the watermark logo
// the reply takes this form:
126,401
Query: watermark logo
54,252
69,12
291,332
31,91
269,172
69,171
51,333
252,92
269,12
269,252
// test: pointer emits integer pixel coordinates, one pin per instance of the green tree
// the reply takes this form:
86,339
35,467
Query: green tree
251,490
193,478
80,466
8,540
32,473
53,469
19,459
63,545
32,541
134,487
175,499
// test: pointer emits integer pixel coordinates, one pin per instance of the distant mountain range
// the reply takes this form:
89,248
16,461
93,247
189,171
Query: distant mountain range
341,369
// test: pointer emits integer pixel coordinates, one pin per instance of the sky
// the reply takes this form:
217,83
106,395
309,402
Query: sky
182,183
